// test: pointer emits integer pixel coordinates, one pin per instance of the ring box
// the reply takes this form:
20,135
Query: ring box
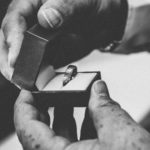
75,93
42,80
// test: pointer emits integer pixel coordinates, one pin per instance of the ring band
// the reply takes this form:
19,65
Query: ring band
69,74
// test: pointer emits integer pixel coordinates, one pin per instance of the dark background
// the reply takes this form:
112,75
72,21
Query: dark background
8,93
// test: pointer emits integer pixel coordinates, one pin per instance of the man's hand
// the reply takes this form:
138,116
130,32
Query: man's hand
116,130
97,19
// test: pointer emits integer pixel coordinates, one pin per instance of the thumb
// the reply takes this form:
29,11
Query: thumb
99,95
54,13
110,120
101,105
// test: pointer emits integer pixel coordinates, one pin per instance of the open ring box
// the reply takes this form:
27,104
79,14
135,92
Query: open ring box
44,82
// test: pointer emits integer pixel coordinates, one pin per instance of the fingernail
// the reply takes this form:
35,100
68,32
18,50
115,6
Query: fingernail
101,88
53,17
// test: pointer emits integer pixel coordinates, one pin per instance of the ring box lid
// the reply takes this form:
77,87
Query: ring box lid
30,58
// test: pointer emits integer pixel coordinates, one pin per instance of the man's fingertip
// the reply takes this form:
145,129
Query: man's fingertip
50,18
25,96
99,95
100,87
24,92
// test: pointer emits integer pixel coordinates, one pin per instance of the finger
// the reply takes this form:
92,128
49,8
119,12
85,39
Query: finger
93,144
32,132
114,126
14,33
26,106
88,130
5,69
55,13
64,123
14,25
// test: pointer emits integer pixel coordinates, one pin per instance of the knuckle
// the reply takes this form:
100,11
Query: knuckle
10,8
102,101
13,6
9,15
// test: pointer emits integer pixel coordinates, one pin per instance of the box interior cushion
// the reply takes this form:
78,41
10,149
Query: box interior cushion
79,83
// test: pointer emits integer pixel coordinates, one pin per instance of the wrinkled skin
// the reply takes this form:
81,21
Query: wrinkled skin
115,129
